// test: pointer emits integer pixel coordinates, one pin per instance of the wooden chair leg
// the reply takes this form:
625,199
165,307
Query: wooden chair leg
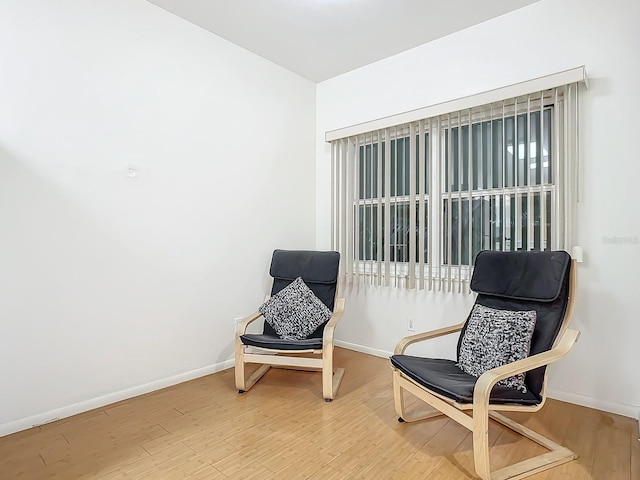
257,375
481,441
398,397
398,400
557,454
330,380
239,370
330,386
242,383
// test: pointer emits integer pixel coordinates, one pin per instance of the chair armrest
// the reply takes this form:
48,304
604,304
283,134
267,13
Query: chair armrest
241,327
419,337
488,379
327,335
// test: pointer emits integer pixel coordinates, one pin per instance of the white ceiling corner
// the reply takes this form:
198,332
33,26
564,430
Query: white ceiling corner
320,39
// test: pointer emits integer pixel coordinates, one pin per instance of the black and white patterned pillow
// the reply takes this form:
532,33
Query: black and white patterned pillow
496,337
295,311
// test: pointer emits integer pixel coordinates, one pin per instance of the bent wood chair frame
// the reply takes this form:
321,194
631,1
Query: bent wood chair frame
309,359
481,410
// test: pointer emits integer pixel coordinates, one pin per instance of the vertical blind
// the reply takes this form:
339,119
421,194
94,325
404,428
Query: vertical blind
413,203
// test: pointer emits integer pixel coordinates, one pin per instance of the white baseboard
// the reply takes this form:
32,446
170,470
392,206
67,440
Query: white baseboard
376,352
97,402
626,410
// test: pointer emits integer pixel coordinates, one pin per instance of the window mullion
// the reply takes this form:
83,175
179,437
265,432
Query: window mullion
411,279
422,172
350,234
379,240
559,178
503,197
470,173
449,205
395,210
369,214
387,214
527,156
543,179
459,161
435,202
334,211
354,162
517,202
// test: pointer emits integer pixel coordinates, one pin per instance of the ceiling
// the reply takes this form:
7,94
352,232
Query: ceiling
320,39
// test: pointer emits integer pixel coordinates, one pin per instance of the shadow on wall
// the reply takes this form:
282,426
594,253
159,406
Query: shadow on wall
376,316
599,348
91,303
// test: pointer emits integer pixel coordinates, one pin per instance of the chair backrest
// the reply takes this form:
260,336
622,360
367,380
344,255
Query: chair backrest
523,280
319,270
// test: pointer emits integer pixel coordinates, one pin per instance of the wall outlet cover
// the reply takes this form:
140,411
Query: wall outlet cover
411,324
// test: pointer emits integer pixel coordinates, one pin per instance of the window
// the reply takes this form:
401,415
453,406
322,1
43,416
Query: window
373,172
414,203
503,168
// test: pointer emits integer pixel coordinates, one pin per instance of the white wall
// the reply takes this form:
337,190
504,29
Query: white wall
543,38
111,285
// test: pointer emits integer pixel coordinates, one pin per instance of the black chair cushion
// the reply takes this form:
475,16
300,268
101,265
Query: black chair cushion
521,275
444,377
319,270
521,281
275,342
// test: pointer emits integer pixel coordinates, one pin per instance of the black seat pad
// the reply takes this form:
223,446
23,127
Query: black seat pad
444,377
277,343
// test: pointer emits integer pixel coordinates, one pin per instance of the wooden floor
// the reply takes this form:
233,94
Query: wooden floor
282,429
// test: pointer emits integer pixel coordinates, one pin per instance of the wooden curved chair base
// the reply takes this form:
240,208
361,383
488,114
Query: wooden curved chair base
310,359
557,454
331,378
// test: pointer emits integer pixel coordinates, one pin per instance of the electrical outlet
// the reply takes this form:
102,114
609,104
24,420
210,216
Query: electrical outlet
411,324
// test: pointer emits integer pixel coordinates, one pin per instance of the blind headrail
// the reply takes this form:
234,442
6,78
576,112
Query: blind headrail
574,75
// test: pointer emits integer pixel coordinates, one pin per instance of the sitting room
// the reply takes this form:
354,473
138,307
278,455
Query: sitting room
155,155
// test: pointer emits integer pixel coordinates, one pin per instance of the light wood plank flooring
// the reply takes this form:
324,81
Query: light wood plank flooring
282,429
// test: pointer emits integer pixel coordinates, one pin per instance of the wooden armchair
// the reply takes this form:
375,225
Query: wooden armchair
319,271
544,282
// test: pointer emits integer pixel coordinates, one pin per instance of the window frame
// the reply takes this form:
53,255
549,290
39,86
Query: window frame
551,198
